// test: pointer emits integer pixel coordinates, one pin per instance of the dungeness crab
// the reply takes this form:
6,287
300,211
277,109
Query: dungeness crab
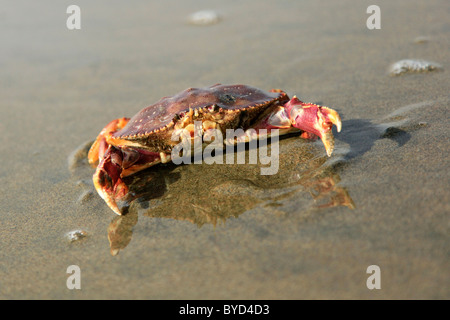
126,146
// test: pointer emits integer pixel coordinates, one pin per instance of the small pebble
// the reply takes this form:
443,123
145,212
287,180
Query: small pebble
204,18
76,235
412,66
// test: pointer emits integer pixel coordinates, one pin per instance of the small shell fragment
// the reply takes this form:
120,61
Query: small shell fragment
421,39
413,66
76,235
204,18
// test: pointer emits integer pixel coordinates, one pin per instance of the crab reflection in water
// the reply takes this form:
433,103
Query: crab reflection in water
211,194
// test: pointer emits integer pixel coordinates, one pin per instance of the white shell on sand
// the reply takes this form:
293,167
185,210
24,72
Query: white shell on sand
204,17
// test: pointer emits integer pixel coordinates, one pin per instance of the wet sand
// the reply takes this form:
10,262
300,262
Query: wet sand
225,231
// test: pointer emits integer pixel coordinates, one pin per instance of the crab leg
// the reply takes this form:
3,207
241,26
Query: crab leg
312,119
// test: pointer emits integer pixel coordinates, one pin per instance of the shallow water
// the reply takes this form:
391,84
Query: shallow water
226,231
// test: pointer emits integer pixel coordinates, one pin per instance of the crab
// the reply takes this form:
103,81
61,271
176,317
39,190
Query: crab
126,146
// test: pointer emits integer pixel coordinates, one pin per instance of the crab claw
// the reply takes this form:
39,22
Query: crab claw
107,179
314,119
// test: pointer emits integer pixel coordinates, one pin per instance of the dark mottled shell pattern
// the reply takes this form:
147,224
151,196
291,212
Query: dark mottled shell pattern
225,102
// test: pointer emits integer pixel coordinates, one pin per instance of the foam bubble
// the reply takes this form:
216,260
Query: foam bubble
413,66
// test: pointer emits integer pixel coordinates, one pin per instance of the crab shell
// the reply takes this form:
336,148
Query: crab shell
219,106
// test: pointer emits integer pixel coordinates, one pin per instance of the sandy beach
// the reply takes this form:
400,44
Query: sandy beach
203,231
